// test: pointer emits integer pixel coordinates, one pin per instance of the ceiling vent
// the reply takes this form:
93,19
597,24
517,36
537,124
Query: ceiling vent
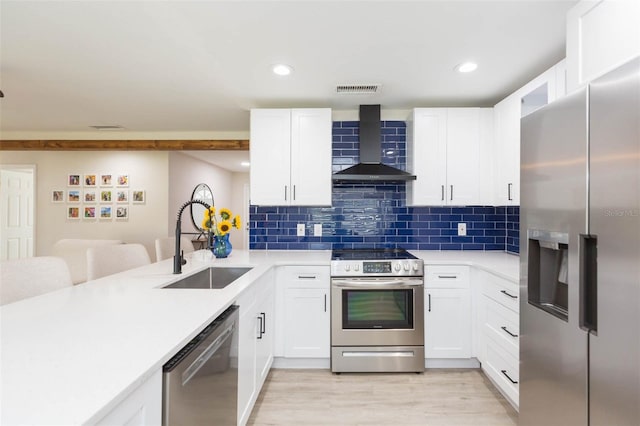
107,127
357,89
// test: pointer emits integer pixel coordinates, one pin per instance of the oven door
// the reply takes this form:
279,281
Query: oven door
377,311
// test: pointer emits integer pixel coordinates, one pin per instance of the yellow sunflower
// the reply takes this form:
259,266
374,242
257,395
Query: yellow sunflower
236,221
225,214
224,226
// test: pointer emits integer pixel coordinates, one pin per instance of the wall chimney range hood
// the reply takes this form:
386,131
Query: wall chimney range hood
370,168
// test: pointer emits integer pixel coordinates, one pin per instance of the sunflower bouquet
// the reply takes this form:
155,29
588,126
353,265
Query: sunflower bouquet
221,227
218,230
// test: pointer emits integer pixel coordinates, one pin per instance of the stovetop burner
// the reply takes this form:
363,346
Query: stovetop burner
371,254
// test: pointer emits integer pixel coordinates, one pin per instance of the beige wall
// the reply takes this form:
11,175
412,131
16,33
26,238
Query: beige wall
147,171
186,172
239,205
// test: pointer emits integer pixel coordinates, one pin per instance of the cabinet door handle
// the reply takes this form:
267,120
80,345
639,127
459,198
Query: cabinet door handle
285,192
507,376
325,302
429,295
451,192
509,191
508,332
448,276
260,327
307,277
442,192
506,293
294,192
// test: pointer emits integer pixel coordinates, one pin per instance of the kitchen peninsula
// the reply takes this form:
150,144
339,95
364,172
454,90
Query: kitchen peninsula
76,355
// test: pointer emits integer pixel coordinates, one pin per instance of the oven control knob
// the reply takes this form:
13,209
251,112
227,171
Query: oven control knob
405,266
397,267
347,267
415,266
356,267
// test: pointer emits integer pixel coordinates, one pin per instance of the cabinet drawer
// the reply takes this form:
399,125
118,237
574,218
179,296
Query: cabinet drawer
502,326
442,276
305,276
503,369
503,291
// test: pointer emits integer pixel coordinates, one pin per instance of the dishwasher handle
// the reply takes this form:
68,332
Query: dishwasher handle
207,354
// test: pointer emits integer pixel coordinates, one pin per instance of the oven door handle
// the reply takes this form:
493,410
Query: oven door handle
376,283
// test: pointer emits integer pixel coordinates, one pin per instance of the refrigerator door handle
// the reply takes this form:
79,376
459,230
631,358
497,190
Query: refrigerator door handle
589,283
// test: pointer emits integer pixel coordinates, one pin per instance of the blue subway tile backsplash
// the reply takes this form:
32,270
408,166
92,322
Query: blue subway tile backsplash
513,229
375,215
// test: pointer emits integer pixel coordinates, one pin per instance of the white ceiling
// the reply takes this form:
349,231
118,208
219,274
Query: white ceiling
154,66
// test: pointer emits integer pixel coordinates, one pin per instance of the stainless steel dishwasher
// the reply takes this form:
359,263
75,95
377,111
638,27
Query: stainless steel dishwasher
200,383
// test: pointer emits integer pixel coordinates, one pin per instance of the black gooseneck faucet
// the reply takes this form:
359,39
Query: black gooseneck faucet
178,258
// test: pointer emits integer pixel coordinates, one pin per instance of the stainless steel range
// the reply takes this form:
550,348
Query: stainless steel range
377,311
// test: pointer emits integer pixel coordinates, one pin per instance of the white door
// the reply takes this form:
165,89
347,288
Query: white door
17,208
270,157
463,153
447,323
307,323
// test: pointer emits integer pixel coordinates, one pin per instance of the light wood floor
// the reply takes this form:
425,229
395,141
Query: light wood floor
435,398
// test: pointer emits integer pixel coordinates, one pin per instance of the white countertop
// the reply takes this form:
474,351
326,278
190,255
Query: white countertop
70,356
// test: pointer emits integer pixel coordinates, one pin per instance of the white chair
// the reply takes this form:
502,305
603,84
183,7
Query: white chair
166,247
74,252
110,259
23,278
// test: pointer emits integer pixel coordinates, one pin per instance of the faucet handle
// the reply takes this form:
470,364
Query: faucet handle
183,261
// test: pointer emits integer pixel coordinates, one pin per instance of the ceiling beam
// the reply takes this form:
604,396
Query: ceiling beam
123,145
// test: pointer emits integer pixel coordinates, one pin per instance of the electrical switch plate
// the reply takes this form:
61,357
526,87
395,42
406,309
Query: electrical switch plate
462,229
301,230
317,230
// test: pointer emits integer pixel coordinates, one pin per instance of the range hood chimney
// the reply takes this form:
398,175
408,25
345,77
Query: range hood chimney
370,167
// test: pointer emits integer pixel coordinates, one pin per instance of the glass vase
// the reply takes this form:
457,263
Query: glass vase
220,246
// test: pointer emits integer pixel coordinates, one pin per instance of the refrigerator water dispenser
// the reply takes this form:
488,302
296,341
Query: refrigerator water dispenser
548,272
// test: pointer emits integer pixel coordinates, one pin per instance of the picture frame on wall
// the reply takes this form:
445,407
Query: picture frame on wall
106,180
73,180
57,196
73,212
122,196
138,196
123,180
89,212
90,196
90,180
105,196
105,212
73,196
122,212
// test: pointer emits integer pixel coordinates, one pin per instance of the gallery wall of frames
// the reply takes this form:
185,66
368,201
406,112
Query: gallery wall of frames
98,196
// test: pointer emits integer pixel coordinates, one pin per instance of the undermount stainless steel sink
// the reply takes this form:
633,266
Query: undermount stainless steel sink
215,277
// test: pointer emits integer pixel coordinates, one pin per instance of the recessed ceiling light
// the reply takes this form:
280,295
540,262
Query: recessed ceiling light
467,67
282,69
245,164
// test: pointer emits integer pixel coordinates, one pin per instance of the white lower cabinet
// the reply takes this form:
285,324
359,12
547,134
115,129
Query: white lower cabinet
142,407
447,319
498,333
255,342
303,314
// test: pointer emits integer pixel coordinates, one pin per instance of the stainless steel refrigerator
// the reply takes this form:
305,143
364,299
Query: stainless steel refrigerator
580,256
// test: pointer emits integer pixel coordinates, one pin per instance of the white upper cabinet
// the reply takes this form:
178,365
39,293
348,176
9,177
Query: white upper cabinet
544,89
601,35
446,150
291,157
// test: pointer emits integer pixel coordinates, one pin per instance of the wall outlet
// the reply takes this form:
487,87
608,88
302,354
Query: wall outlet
300,230
317,230
462,229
